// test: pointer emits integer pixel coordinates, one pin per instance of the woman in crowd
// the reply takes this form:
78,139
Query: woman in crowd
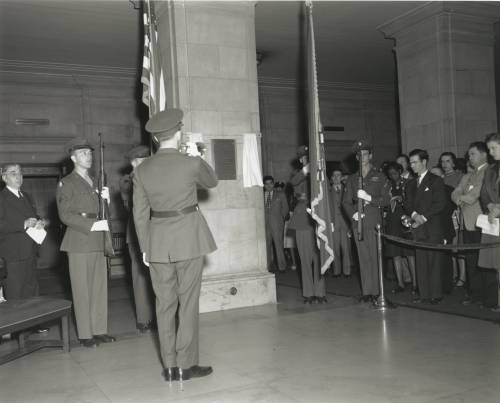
490,200
393,226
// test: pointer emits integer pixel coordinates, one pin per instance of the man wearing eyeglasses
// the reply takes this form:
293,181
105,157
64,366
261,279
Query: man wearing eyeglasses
17,214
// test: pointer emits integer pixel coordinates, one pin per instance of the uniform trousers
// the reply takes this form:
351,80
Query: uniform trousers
21,281
89,286
313,283
428,266
141,283
367,254
177,285
342,250
274,235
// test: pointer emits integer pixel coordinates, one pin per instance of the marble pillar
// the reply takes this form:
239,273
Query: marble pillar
208,50
446,76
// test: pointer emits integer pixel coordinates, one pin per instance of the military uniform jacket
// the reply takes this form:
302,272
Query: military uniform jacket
300,219
168,181
75,196
375,184
15,244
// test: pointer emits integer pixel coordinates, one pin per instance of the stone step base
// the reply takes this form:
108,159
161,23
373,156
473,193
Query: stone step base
240,290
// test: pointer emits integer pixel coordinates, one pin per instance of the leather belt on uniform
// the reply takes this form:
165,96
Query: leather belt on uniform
174,213
88,215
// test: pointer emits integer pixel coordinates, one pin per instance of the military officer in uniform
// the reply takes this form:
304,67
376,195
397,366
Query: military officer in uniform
374,196
313,283
78,205
174,237
141,280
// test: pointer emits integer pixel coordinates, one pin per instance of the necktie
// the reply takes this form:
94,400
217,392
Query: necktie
268,200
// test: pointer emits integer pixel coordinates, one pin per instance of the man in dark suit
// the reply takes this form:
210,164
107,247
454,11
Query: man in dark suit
17,214
174,238
426,202
276,210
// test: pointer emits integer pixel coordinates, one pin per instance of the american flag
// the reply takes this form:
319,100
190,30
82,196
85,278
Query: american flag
153,91
320,203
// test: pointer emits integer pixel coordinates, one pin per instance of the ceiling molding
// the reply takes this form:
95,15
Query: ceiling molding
278,82
37,67
485,11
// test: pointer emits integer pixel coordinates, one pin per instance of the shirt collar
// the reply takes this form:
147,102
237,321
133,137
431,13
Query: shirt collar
421,176
16,192
481,167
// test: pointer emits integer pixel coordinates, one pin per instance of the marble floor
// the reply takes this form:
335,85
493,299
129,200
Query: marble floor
339,352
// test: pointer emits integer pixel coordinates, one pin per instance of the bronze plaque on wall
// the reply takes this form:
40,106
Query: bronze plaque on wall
225,158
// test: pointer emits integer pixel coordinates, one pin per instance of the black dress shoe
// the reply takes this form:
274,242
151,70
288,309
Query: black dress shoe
89,342
467,302
417,300
308,300
322,300
195,372
435,301
104,338
398,289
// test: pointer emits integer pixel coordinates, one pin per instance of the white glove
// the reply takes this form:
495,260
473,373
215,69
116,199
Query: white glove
355,216
306,169
192,149
363,195
146,263
101,225
105,193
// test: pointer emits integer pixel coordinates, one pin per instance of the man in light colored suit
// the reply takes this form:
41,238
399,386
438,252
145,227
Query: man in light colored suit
276,210
466,196
174,238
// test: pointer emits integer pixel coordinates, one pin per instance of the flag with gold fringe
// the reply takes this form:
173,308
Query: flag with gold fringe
152,78
320,203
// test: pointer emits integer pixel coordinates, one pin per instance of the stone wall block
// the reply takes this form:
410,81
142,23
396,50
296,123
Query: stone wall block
233,62
203,60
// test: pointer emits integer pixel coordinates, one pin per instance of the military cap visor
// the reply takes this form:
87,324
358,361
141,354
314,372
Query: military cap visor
137,152
302,151
361,145
165,121
78,143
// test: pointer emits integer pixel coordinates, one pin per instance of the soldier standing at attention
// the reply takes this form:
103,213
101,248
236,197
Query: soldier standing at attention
174,237
78,206
313,283
141,280
374,196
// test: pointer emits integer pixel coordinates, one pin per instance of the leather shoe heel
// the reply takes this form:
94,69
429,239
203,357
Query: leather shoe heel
89,342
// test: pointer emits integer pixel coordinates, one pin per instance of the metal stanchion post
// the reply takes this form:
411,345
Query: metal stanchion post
381,304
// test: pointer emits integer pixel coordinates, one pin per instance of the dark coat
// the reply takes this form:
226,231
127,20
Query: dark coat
15,244
430,200
276,214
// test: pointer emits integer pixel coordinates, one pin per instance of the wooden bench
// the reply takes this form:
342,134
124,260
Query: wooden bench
19,315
